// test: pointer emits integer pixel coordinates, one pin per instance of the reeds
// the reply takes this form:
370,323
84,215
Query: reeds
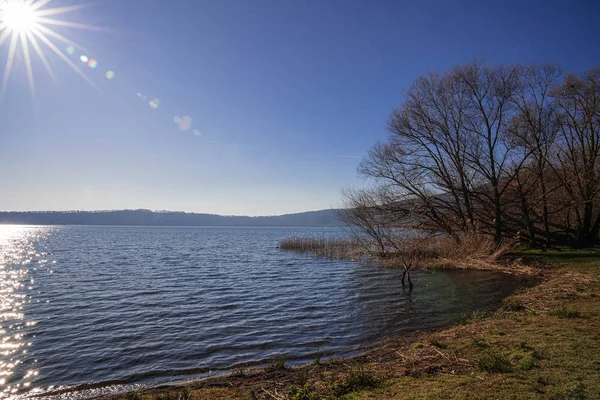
469,250
326,247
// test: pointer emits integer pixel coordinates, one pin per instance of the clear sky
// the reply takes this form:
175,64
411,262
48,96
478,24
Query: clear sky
285,96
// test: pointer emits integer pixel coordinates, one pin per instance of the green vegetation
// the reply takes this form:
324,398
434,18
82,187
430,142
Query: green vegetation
306,392
494,363
355,381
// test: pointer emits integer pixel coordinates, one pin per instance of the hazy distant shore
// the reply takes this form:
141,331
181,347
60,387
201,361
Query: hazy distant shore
320,218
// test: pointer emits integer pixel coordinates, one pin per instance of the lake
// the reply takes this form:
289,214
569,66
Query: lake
103,308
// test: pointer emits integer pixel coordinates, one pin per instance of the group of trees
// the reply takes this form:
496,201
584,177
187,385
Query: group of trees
507,151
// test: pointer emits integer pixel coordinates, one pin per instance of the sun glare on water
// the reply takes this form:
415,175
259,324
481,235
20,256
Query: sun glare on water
24,24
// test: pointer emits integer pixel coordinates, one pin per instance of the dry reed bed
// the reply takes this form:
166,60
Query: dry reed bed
472,251
321,246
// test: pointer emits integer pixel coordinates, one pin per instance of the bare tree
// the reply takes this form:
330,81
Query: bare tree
498,150
534,129
578,112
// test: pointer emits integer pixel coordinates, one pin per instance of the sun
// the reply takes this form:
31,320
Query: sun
25,24
18,16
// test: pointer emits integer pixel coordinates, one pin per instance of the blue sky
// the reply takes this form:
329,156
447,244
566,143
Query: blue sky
286,95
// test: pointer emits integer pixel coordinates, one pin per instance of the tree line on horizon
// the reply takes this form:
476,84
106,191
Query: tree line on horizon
507,151
143,217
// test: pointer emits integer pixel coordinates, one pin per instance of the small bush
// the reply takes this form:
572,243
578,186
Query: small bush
417,345
353,382
238,373
513,304
565,312
494,363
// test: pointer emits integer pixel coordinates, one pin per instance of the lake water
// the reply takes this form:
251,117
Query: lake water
96,308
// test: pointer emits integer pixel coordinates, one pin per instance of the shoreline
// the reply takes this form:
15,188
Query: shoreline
434,358
448,356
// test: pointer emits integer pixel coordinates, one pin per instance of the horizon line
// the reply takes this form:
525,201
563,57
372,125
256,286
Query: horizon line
163,211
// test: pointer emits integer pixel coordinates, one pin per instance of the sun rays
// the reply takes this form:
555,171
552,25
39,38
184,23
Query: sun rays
24,27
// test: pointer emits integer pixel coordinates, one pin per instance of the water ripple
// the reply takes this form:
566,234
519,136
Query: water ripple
97,309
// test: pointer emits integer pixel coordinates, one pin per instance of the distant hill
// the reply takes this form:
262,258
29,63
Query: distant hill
166,218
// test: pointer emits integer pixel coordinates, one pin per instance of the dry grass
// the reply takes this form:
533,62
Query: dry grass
471,251
321,246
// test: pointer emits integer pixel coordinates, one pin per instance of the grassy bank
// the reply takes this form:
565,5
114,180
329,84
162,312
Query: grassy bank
542,343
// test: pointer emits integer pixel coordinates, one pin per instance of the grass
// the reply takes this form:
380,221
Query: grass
542,343
305,392
513,304
565,312
493,362
357,380
436,343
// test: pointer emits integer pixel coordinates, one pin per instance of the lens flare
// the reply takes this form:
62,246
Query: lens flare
70,50
154,103
84,59
92,63
197,132
176,119
185,123
109,75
